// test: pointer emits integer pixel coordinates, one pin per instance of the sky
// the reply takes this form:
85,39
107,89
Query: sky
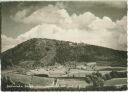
101,23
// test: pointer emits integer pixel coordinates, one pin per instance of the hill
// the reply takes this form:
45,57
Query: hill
38,52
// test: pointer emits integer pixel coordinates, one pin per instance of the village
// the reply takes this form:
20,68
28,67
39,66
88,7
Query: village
61,71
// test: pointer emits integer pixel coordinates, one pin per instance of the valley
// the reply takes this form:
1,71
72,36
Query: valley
47,64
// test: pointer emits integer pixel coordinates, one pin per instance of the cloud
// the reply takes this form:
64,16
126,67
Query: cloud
7,42
20,15
46,14
102,24
54,22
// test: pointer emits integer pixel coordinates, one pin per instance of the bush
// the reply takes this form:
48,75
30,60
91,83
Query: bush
96,79
88,80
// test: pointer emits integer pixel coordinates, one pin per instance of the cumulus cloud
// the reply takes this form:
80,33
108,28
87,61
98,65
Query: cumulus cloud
54,22
7,42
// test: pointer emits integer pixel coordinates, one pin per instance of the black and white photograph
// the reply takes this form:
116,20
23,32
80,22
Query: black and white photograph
63,45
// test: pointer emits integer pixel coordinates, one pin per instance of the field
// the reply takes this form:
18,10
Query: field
116,81
34,80
43,82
